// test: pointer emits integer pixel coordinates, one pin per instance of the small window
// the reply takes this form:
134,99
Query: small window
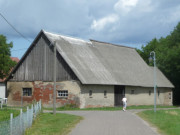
105,93
132,91
169,95
150,93
158,93
62,93
90,93
27,91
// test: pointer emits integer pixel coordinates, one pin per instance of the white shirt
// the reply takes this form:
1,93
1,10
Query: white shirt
124,100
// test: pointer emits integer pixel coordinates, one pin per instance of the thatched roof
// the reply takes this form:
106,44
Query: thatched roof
96,62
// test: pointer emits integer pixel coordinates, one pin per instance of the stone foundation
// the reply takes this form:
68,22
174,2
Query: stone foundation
44,91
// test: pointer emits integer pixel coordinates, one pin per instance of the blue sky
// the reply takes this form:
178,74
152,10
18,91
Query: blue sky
125,22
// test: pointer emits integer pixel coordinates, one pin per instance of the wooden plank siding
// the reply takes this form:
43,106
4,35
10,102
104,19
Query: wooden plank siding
38,64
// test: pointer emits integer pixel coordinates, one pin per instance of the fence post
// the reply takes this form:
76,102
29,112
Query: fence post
11,128
27,123
1,103
32,111
40,104
21,122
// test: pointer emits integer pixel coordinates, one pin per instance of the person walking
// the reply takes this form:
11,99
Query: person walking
124,100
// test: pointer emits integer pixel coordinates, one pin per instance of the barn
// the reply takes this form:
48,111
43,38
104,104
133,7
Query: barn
88,74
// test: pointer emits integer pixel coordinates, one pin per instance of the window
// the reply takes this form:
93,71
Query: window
62,93
169,95
150,93
90,93
27,91
158,93
132,91
105,94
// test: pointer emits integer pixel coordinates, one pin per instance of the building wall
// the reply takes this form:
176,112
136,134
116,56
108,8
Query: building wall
97,99
79,94
2,90
141,96
44,91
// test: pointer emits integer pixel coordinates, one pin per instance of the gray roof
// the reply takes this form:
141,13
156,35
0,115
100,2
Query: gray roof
96,62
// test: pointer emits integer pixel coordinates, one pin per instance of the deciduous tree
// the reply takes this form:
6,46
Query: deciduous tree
168,57
6,63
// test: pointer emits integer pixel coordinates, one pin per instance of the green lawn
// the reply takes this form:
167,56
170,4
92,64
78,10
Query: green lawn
71,108
49,124
5,114
167,121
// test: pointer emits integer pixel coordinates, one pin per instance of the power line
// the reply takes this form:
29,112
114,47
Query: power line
14,28
19,49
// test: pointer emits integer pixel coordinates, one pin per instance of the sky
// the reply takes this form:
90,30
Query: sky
131,23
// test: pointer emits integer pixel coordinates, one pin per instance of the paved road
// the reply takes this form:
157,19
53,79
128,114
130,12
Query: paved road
110,123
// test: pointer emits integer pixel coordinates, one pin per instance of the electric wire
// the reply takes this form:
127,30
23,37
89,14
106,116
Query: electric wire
19,49
14,28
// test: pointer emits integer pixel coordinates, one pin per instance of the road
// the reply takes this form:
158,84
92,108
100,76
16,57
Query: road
110,123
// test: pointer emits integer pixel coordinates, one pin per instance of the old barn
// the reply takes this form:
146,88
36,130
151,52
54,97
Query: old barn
89,74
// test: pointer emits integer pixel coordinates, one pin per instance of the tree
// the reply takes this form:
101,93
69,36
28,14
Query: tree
6,64
168,58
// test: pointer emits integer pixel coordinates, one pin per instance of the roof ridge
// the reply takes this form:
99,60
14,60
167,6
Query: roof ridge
66,36
111,44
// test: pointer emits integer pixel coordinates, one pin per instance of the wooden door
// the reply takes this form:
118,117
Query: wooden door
119,92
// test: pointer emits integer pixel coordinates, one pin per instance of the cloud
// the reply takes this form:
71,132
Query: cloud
125,6
102,22
118,21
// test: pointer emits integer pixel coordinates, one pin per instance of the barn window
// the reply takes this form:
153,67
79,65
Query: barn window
132,91
169,95
62,93
27,91
90,93
158,93
150,93
105,94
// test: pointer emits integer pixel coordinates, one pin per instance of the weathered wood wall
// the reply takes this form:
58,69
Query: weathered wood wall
38,64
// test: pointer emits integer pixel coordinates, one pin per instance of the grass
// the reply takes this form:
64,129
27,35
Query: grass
71,108
167,121
49,124
5,114
7,110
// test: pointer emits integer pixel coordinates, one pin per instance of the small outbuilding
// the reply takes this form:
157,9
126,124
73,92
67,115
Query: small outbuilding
88,74
2,81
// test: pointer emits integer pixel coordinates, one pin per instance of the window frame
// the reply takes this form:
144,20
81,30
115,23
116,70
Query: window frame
170,95
159,93
105,94
149,92
26,92
90,93
62,93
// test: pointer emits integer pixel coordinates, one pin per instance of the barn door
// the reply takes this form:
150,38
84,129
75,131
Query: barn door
119,92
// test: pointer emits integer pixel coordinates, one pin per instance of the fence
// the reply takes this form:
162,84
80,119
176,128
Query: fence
18,125
3,101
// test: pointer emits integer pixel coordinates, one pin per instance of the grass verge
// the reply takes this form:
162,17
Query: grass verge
70,108
49,124
5,114
167,121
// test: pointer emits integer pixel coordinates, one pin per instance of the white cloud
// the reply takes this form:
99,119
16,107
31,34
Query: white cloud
116,21
125,5
101,23
122,5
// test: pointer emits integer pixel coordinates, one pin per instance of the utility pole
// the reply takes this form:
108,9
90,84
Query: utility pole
155,81
54,91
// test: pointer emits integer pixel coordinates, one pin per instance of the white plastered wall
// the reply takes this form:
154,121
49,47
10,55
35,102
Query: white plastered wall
2,90
141,96
97,99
